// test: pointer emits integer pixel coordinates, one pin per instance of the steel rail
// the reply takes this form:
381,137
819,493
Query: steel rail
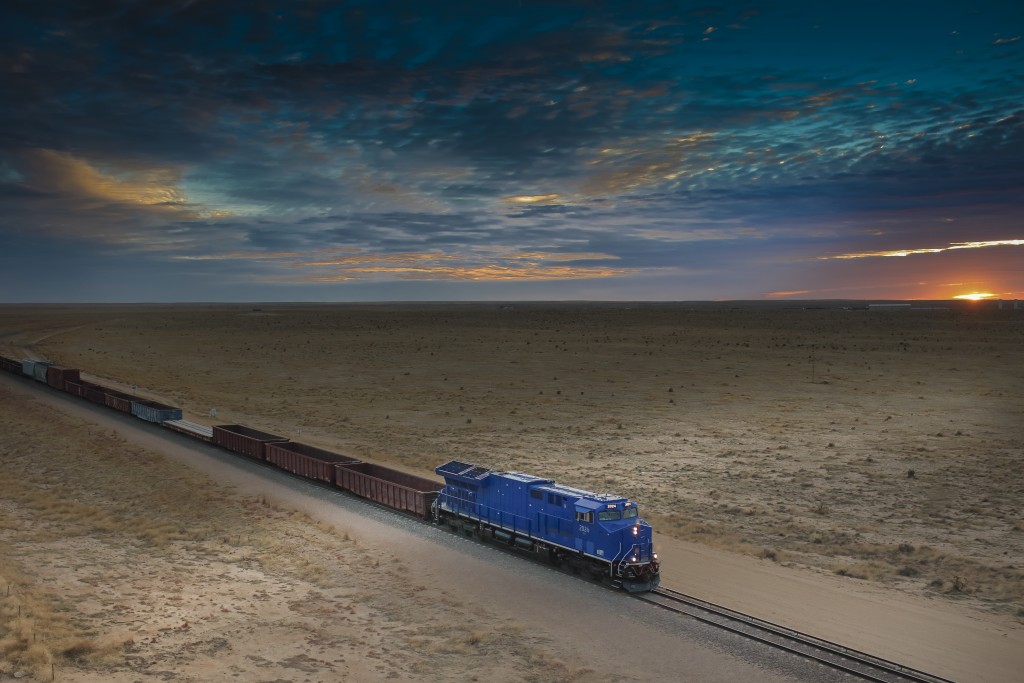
834,655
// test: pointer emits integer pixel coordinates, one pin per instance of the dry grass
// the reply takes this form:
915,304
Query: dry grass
37,632
57,489
787,431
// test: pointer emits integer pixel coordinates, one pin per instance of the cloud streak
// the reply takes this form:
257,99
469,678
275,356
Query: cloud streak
936,250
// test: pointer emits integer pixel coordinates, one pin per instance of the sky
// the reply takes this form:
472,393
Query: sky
191,150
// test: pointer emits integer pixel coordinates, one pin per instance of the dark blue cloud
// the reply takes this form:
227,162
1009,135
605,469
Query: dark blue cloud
244,143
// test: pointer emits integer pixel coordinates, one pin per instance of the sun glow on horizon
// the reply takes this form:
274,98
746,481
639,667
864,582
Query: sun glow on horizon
975,296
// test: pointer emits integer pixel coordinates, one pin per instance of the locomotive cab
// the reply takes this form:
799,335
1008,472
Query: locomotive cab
636,562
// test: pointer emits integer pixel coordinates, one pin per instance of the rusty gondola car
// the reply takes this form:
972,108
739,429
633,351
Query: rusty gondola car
244,440
395,489
306,461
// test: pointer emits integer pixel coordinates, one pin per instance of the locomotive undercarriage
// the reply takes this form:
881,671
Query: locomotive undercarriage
634,578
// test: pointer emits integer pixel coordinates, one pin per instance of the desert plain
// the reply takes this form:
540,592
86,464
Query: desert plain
858,451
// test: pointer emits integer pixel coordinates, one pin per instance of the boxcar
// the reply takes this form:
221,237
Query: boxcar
97,393
244,440
118,400
389,487
57,376
153,411
10,365
39,369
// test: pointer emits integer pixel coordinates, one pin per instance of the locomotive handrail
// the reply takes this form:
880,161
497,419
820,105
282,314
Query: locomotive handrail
498,521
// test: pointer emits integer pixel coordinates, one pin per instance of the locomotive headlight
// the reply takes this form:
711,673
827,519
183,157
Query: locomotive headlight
655,555
633,559
636,531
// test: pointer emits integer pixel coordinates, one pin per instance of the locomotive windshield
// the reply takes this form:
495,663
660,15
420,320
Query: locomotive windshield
613,515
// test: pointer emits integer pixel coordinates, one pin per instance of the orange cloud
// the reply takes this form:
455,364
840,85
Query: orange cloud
533,199
477,266
491,273
113,203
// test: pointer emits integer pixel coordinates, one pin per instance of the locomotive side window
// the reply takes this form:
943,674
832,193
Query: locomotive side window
534,493
584,516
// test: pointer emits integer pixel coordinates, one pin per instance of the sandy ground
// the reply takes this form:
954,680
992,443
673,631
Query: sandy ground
854,474
223,571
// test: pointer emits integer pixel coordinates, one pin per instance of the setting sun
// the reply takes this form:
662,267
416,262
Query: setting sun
976,296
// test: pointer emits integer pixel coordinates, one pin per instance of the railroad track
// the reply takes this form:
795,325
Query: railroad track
831,654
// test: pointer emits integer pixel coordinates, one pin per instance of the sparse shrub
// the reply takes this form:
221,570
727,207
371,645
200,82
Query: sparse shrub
911,474
79,650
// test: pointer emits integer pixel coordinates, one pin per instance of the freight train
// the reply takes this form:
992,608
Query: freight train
598,535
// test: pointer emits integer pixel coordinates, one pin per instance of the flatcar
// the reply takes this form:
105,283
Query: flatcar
599,534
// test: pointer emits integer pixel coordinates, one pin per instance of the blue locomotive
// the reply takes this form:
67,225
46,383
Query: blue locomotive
593,533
